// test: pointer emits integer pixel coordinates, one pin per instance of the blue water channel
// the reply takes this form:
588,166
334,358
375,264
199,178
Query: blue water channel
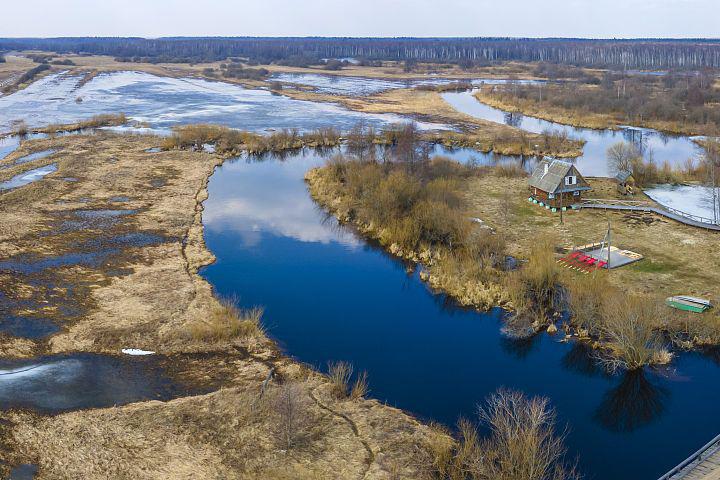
329,295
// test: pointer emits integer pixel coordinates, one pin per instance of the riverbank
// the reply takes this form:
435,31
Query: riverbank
682,264
121,243
583,118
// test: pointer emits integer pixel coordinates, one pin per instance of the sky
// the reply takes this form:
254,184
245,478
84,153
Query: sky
387,18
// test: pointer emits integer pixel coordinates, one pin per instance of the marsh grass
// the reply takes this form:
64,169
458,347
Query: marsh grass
360,387
535,287
226,321
629,326
232,141
339,374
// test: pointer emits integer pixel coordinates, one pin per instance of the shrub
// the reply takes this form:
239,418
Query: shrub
587,297
630,330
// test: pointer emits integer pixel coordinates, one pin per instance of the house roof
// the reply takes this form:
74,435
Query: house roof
551,180
623,176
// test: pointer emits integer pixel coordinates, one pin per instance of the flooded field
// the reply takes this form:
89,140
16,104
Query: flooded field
162,102
359,86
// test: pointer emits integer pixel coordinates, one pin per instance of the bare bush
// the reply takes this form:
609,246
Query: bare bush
524,443
630,328
293,424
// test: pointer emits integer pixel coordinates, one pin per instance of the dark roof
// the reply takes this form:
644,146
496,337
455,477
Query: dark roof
623,176
552,180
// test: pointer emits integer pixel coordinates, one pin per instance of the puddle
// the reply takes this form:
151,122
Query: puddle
69,382
105,213
34,156
26,471
28,177
27,327
94,219
153,150
27,264
10,143
119,199
158,182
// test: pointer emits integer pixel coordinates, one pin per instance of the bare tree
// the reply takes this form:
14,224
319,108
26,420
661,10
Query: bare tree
293,423
622,157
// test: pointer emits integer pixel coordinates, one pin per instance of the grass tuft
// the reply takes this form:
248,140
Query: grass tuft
227,321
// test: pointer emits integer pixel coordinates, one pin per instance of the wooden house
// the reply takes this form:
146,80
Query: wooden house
557,183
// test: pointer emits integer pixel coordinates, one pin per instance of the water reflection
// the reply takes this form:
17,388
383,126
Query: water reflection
519,347
593,162
633,403
270,197
581,359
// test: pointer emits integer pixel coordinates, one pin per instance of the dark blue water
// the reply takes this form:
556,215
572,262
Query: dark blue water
328,295
27,327
69,382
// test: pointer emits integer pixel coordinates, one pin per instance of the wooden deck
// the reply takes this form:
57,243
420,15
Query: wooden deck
701,465
681,217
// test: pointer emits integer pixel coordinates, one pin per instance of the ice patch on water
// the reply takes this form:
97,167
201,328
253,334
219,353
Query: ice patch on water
692,199
165,102
30,176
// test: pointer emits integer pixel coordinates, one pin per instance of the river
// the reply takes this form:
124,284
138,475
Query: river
329,295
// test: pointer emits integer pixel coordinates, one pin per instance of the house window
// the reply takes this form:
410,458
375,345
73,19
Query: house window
571,180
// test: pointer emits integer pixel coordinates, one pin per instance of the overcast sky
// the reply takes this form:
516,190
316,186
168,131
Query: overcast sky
515,18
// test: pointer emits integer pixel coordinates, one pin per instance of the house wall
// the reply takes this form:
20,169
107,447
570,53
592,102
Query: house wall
567,198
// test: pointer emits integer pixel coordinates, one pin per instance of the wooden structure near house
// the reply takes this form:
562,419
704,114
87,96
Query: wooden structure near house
557,183
625,183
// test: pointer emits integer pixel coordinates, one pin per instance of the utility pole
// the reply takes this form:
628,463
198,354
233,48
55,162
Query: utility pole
608,244
561,208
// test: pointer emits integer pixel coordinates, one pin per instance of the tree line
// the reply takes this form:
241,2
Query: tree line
630,53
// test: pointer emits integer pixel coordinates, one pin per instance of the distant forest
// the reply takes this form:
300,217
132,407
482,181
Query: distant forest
627,54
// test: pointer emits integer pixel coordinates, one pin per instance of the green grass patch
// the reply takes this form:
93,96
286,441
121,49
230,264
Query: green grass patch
653,266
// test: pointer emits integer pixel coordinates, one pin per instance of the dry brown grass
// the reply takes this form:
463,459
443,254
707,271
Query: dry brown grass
534,288
226,321
339,374
360,386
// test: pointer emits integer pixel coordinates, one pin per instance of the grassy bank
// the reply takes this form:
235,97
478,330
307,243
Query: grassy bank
266,415
423,213
672,103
